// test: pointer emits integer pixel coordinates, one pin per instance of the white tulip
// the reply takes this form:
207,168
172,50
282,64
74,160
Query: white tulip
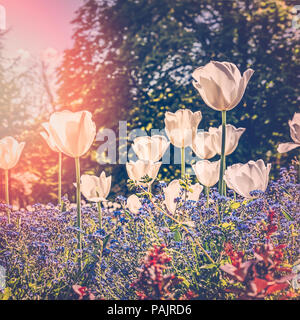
295,135
181,126
173,191
221,85
244,178
72,132
134,204
150,148
207,172
203,145
10,152
94,188
139,169
232,138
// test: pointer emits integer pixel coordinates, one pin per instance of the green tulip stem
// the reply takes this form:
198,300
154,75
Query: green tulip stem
59,179
182,163
223,160
207,189
224,183
224,189
7,194
100,213
78,201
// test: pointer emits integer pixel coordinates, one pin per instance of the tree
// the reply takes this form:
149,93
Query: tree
132,60
25,103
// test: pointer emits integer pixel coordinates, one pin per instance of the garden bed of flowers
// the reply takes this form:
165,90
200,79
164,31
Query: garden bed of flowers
39,248
180,240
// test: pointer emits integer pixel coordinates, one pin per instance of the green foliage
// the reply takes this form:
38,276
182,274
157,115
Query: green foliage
132,60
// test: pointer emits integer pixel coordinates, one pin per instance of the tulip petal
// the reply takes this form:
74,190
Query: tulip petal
86,134
241,88
57,124
197,189
232,138
203,95
295,128
203,145
286,147
181,127
214,94
72,132
94,188
48,137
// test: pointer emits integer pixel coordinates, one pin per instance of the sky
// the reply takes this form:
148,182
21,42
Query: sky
37,25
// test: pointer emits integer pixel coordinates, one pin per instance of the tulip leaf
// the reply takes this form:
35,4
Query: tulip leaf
127,213
177,236
175,227
184,281
105,241
208,266
287,215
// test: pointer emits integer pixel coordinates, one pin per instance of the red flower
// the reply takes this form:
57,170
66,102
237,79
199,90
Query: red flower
153,283
259,275
83,292
271,226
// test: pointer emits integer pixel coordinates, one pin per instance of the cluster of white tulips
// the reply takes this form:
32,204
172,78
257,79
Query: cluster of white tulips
221,86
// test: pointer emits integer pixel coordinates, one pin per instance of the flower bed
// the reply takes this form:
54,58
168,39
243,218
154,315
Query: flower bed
39,247
173,241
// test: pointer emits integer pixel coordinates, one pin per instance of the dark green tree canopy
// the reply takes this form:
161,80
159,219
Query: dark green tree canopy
132,60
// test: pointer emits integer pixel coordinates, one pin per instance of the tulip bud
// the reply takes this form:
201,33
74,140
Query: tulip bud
173,191
134,204
150,148
139,169
221,85
181,127
94,188
10,152
72,132
203,145
232,138
207,172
